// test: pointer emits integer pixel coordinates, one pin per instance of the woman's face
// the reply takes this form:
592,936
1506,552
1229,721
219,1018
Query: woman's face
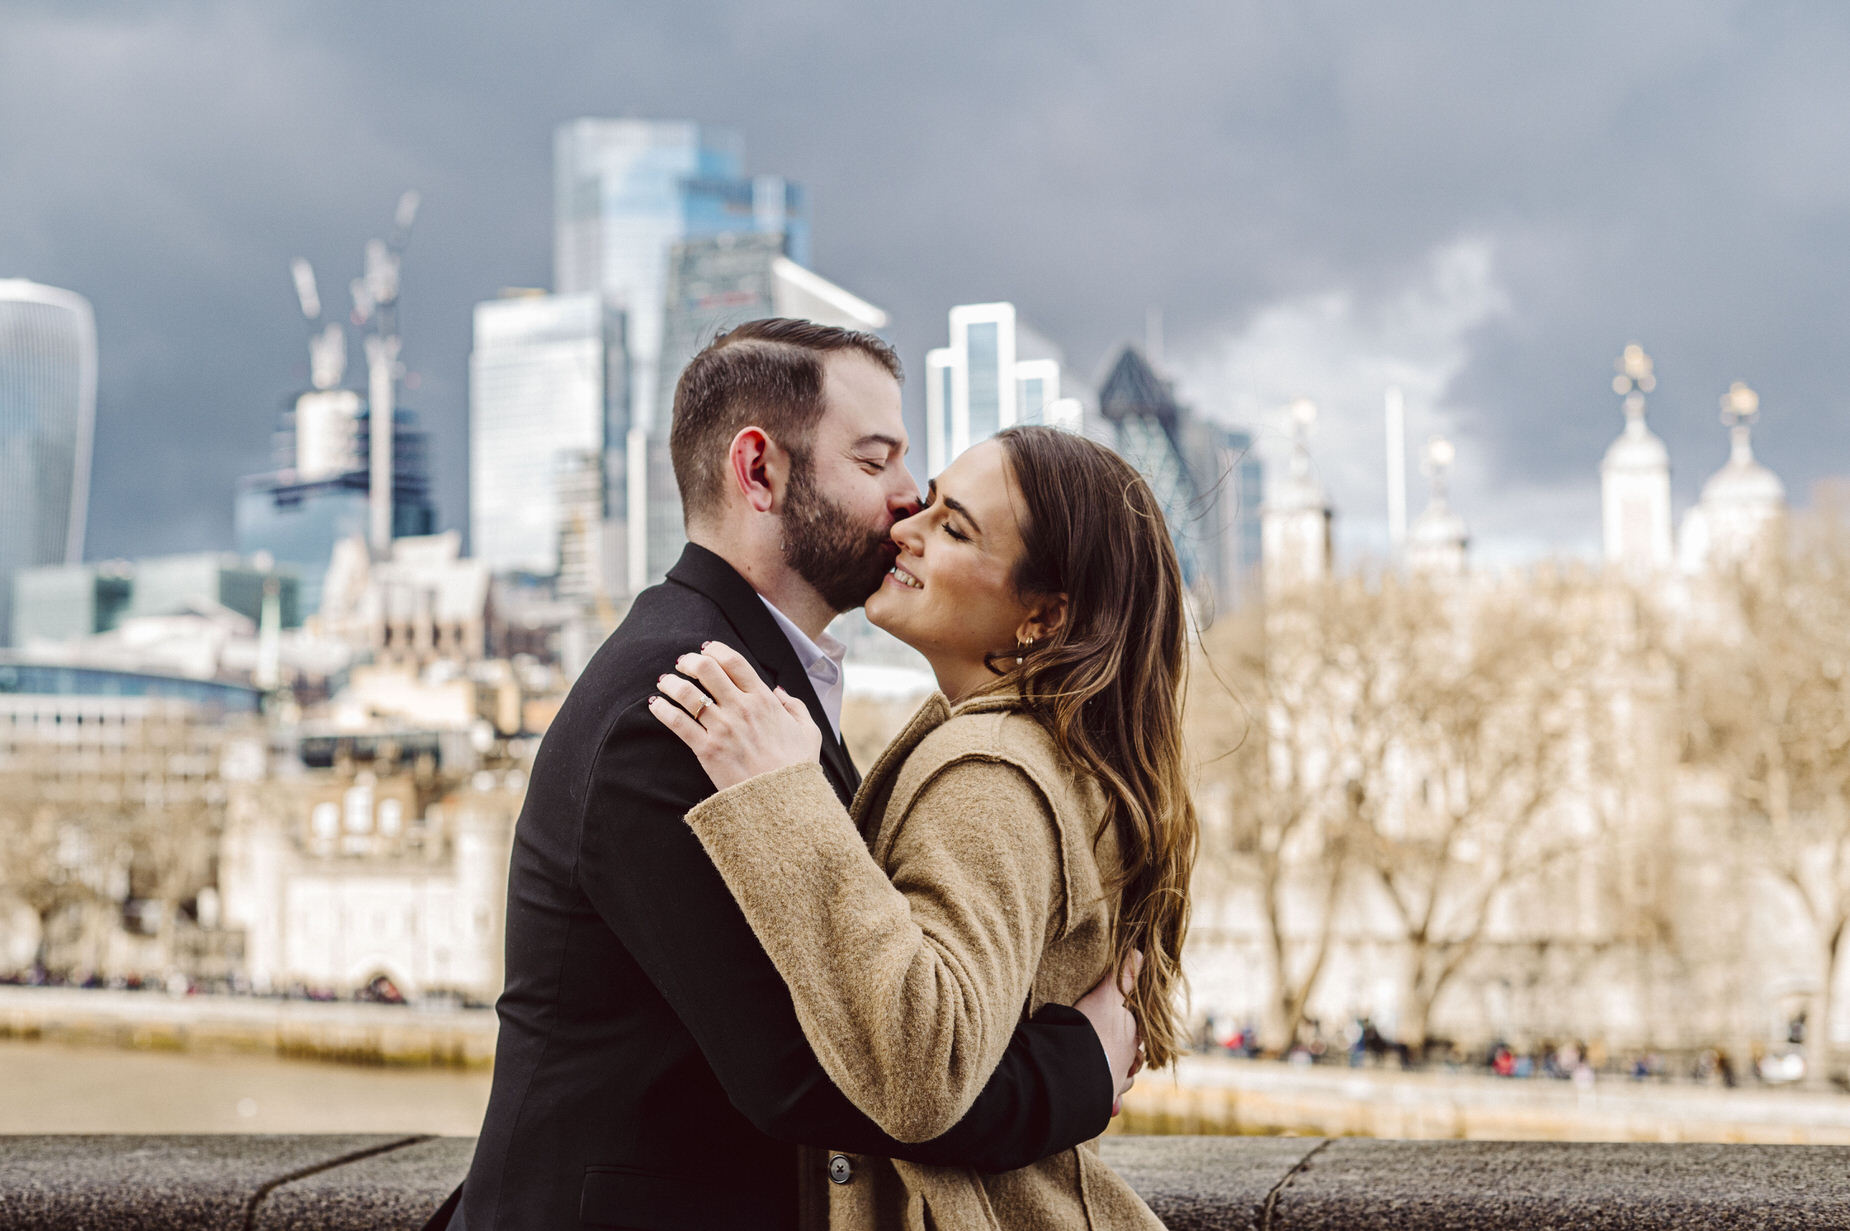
951,594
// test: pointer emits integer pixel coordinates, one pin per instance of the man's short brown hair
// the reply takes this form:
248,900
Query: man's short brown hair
767,374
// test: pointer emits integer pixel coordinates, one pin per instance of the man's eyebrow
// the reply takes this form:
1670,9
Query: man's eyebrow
890,442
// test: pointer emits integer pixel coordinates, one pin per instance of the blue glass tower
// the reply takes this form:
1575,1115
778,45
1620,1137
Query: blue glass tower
626,191
1205,476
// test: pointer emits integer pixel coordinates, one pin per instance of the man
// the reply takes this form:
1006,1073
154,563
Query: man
650,1071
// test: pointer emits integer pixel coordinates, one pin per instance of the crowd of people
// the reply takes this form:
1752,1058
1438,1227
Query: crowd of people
380,990
1360,1043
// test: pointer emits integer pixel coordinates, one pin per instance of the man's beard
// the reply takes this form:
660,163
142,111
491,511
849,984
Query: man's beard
844,562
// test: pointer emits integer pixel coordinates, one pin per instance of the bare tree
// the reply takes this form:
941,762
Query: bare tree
1767,709
1286,718
1489,708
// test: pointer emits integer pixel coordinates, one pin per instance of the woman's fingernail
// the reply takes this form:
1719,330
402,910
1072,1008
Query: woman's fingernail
686,661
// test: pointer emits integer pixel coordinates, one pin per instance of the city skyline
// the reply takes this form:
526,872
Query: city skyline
1343,211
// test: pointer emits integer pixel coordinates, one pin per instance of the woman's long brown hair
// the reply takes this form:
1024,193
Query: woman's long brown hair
1108,685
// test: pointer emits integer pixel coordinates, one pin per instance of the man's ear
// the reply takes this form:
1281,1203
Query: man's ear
758,469
1048,617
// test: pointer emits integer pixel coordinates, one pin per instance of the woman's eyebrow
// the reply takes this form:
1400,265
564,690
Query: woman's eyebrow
931,497
960,510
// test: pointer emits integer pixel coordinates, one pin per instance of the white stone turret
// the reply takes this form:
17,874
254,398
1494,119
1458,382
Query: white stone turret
1635,478
1743,504
1438,542
1296,521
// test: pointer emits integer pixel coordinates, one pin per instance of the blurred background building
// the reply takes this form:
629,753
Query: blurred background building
548,423
998,371
714,284
47,424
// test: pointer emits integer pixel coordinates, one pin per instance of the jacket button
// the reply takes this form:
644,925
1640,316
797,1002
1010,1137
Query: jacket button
841,1168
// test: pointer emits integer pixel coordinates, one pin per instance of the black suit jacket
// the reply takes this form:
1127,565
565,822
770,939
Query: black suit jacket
650,1071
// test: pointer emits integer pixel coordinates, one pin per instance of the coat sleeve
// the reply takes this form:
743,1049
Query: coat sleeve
647,876
908,988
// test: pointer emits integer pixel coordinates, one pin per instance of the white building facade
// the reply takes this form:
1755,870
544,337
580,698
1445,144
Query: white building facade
996,372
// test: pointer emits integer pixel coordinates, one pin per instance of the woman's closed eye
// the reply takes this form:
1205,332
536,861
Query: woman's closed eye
931,499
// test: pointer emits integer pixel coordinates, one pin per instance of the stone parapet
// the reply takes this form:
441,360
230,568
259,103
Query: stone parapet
383,1183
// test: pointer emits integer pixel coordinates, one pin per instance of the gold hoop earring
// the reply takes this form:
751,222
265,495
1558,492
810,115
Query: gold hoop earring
1022,644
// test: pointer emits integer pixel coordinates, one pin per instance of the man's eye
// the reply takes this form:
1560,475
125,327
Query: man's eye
874,465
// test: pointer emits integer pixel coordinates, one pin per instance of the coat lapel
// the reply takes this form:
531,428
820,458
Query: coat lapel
764,642
870,799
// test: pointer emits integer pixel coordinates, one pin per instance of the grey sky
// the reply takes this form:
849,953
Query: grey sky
1484,202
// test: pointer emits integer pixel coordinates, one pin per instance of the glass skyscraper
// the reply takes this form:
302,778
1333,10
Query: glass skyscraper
714,284
1205,476
548,417
626,191
47,424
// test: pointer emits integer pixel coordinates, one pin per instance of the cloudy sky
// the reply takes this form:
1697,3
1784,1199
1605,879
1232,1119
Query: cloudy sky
1480,202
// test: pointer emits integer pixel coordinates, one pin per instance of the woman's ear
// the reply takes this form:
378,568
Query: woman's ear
1048,617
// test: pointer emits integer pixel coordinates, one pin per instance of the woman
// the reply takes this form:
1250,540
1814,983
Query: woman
1028,830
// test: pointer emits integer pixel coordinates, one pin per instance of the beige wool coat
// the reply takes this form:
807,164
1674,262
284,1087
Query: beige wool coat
983,899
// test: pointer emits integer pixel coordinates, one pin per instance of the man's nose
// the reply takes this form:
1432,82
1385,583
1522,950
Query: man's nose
904,501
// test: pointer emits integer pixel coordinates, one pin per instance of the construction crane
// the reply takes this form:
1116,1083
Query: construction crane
375,301
327,345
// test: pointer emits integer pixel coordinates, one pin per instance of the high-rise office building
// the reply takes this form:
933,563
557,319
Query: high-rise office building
47,423
1232,492
548,417
996,372
714,284
1205,477
626,191
321,492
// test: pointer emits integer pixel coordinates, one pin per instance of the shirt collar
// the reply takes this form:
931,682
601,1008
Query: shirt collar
821,660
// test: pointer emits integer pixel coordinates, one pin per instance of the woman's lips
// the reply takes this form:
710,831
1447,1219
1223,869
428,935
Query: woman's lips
902,577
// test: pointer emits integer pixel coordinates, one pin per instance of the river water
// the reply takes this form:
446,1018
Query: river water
59,1088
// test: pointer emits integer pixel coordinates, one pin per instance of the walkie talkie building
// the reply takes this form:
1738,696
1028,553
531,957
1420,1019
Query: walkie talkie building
47,420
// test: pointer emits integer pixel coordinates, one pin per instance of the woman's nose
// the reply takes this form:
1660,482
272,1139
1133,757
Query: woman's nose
908,533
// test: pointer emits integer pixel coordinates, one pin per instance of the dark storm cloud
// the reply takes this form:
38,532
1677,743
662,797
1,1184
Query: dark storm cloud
1674,172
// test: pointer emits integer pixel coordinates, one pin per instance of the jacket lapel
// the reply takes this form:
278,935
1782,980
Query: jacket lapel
764,642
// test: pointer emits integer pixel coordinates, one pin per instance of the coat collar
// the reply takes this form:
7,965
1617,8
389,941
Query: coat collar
937,710
707,573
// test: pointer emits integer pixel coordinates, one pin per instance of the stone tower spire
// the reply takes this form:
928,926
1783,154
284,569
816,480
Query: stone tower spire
1437,543
1742,503
1296,520
1635,478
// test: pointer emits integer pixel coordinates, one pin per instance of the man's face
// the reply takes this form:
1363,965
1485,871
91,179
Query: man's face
840,504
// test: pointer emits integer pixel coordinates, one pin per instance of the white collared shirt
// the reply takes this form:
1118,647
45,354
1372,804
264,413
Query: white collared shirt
822,663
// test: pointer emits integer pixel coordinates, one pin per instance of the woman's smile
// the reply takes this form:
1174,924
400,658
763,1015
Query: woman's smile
898,574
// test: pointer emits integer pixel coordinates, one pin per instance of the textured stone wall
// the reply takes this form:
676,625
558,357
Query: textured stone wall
384,1183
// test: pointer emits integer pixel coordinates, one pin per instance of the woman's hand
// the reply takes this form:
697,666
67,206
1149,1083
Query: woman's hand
1107,1008
735,725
